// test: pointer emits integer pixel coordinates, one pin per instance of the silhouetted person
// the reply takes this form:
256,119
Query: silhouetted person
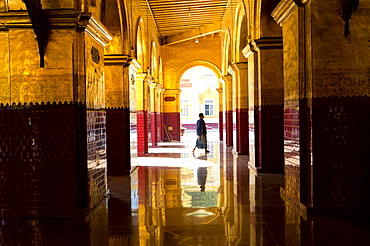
201,142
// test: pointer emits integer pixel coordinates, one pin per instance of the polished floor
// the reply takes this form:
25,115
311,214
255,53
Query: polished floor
176,197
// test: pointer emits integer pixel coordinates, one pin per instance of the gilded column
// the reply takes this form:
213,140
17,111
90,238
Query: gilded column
53,109
234,72
142,106
154,105
228,111
271,91
240,92
120,73
254,103
326,106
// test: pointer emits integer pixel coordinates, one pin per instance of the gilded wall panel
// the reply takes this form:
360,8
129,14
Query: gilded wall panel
31,83
291,58
59,52
46,4
16,5
42,87
4,68
177,55
95,89
60,4
113,86
340,63
2,6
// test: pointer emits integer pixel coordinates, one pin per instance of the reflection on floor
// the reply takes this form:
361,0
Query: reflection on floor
175,197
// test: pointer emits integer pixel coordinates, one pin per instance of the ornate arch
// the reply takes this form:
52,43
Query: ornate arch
241,32
189,65
154,61
115,19
227,55
141,45
160,71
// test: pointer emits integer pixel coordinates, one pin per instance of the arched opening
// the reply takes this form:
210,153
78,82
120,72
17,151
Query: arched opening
198,85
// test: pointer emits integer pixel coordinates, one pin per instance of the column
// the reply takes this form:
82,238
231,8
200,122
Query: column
326,107
228,111
142,106
271,87
52,118
154,113
240,89
120,72
171,115
220,114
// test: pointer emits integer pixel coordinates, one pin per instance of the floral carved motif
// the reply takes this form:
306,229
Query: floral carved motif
340,82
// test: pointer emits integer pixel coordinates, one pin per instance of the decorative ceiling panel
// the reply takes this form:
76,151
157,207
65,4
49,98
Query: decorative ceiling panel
177,17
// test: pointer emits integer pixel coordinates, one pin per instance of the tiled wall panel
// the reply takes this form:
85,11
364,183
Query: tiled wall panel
243,135
154,128
172,120
44,168
272,139
291,155
221,125
160,127
142,132
341,140
96,156
38,161
118,141
229,127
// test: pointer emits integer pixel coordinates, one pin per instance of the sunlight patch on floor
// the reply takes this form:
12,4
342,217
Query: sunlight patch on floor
170,150
173,162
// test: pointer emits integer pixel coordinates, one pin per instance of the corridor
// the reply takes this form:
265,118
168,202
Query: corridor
161,203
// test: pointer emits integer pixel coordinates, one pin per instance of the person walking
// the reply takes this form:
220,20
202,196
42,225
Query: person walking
201,142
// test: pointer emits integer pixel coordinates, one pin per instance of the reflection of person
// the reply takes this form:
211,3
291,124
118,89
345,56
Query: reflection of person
202,134
202,177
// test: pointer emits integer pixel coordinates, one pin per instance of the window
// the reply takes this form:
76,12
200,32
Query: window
208,107
185,107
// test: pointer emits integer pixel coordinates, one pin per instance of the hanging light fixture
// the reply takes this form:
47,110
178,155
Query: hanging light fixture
197,41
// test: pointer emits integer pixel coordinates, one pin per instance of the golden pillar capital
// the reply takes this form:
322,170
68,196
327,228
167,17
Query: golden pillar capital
285,8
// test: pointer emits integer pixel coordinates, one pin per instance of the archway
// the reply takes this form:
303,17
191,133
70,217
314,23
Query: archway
198,83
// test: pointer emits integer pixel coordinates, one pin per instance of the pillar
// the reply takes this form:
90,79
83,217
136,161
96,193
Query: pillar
254,102
52,118
220,113
228,111
142,106
268,68
326,107
120,73
171,115
155,126
240,90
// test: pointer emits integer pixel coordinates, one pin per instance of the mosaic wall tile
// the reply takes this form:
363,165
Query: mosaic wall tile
291,154
172,120
142,132
97,156
38,161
